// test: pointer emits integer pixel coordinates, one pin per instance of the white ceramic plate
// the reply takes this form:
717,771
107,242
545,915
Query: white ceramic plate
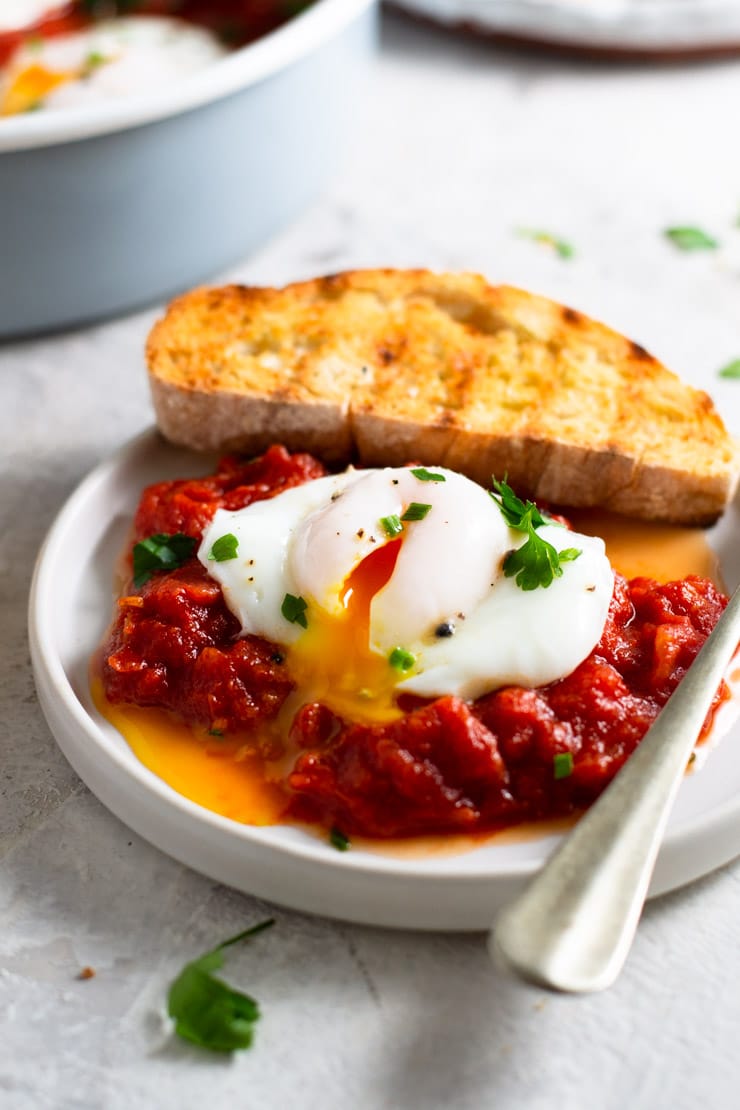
634,26
70,607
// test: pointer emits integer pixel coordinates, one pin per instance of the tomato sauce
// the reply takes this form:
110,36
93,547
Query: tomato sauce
446,766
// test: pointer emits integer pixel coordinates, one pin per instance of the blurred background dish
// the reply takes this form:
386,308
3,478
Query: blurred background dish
626,28
111,197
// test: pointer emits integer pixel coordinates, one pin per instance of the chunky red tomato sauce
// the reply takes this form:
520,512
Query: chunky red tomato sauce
235,22
447,765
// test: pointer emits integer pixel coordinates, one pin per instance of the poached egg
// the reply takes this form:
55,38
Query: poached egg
111,59
391,581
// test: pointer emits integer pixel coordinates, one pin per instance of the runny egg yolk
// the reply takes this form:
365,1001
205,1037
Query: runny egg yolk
332,662
30,86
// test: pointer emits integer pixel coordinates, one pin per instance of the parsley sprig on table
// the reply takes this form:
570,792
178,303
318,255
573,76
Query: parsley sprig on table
691,239
731,370
561,247
206,1010
536,562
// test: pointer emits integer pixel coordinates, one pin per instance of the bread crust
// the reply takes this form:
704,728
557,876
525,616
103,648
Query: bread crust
384,366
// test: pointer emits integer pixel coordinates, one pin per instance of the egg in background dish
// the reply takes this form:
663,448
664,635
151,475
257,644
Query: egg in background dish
366,612
112,59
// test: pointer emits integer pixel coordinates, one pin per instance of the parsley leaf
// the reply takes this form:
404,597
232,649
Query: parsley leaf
416,511
536,563
206,1010
338,840
561,247
224,548
690,239
160,552
425,475
732,370
294,610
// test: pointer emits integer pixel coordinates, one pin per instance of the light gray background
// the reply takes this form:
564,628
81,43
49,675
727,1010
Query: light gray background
460,145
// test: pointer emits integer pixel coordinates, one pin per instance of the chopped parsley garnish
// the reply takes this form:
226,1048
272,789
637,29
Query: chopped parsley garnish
562,248
94,60
160,552
391,525
732,370
416,511
338,840
401,660
294,610
425,475
206,1010
562,765
224,548
536,562
691,239
215,732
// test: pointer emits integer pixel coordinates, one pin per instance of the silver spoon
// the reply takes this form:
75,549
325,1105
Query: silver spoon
572,928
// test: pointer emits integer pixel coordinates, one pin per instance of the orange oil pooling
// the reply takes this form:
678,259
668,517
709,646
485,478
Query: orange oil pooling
217,773
641,549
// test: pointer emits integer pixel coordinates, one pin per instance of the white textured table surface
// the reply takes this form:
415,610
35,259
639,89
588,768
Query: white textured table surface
461,145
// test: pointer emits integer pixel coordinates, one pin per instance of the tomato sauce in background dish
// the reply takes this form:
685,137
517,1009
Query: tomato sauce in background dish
234,22
215,713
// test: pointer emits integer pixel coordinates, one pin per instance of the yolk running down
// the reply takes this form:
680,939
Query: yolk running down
30,86
332,662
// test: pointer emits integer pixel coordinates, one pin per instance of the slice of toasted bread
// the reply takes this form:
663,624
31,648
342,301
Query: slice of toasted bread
386,366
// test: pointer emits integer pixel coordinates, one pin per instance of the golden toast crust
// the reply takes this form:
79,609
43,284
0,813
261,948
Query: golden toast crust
385,366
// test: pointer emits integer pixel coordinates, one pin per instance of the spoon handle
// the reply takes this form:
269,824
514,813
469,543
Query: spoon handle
572,928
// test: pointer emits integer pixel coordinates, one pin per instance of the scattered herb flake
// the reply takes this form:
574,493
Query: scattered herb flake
338,840
160,552
562,248
294,610
391,525
732,370
416,511
94,60
224,548
425,475
206,1010
562,765
691,239
401,660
